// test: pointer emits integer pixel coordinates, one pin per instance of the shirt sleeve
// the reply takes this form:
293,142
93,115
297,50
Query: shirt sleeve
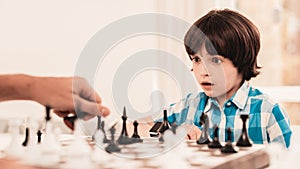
279,126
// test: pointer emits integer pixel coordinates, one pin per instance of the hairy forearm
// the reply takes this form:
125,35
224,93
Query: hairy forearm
16,87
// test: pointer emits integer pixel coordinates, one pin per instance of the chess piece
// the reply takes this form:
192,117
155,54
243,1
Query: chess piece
39,135
112,147
174,127
228,148
244,140
70,120
105,140
215,143
98,126
25,142
99,123
14,149
164,126
124,139
204,138
32,150
50,149
135,136
79,151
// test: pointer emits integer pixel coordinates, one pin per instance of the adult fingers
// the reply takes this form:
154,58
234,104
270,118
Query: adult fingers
92,108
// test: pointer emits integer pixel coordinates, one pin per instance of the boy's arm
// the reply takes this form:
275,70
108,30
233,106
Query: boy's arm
279,126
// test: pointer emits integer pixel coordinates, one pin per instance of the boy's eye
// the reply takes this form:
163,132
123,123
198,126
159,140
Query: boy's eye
216,60
196,60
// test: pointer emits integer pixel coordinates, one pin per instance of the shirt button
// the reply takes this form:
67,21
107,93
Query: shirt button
228,104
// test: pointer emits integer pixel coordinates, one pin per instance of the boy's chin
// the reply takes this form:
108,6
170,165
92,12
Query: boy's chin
211,94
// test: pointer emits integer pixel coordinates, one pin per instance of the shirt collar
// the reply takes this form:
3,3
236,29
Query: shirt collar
241,96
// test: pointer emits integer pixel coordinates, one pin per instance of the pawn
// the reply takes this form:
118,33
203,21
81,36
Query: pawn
244,140
204,138
112,147
228,148
14,149
215,143
135,137
39,135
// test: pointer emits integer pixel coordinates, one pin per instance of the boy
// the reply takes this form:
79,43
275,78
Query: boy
223,46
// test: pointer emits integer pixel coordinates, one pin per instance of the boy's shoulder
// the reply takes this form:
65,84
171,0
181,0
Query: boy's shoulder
257,95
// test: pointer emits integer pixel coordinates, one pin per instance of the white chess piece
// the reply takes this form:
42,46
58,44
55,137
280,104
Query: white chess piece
32,150
15,149
51,150
99,155
78,152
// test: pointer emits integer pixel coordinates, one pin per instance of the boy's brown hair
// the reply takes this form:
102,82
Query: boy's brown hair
229,34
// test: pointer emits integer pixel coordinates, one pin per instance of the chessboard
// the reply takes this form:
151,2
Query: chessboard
115,150
153,154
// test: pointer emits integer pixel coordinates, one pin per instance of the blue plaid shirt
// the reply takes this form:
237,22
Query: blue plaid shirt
267,122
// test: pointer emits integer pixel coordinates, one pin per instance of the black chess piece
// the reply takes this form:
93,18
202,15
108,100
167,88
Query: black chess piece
98,126
112,147
215,143
25,142
39,135
105,140
124,139
48,117
135,136
99,122
244,140
228,148
164,126
204,138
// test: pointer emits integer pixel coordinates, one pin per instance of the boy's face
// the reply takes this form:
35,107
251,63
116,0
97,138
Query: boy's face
216,75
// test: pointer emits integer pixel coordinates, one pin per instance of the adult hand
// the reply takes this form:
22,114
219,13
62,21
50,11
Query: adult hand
68,95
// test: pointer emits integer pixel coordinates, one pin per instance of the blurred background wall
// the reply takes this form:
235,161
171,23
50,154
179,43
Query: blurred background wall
45,38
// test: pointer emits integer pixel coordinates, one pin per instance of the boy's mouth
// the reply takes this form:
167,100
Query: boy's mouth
206,84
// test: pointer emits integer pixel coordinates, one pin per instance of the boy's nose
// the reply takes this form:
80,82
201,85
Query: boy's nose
203,70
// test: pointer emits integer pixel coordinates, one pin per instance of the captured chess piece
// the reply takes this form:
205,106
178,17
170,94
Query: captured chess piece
228,148
112,147
124,139
135,137
244,140
204,138
215,143
164,126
